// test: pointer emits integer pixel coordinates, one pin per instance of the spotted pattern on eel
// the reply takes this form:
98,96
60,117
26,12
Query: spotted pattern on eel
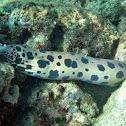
64,65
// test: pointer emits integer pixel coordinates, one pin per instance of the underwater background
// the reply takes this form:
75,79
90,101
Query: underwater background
95,28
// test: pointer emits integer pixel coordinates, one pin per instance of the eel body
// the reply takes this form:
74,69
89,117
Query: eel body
64,65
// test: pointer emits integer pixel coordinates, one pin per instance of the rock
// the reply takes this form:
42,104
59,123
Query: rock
114,111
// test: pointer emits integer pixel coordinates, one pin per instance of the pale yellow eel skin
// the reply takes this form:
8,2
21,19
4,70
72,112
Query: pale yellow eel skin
64,65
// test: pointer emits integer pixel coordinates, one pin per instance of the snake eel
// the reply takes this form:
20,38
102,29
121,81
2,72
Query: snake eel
63,65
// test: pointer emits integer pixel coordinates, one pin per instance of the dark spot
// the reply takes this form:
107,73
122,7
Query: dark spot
22,63
58,64
100,67
38,72
105,77
23,54
42,51
62,71
53,74
119,74
20,68
44,73
18,60
72,53
50,58
42,63
30,73
111,65
80,74
62,89
11,46
65,77
51,95
25,47
18,48
18,55
86,69
36,54
120,65
124,64
39,76
103,83
94,78
73,72
29,55
89,81
84,60
59,57
14,65
74,64
68,62
28,67
97,58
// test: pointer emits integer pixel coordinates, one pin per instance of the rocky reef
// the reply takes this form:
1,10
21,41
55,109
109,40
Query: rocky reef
64,28
60,103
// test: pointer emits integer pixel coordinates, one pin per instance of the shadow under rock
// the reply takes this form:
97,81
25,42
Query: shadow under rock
99,93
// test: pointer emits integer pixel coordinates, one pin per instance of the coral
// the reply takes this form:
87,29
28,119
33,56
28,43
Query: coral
6,75
67,29
6,109
111,9
12,95
8,93
2,36
121,50
63,101
39,41
84,30
36,19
